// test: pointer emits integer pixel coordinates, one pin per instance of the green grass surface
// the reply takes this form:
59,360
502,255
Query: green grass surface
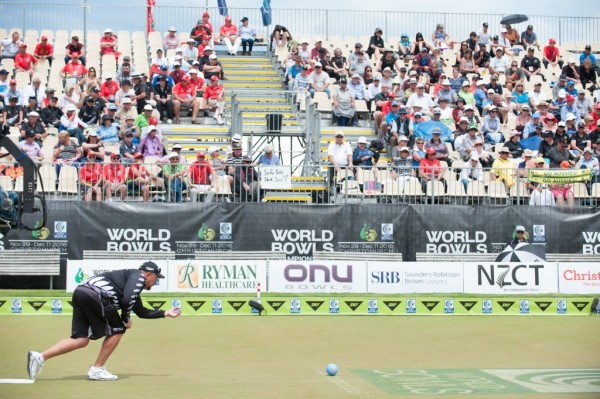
285,357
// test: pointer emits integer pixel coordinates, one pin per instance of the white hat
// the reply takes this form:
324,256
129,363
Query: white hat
388,69
268,149
212,149
420,85
514,133
412,80
464,119
468,107
570,116
504,149
179,50
474,157
520,228
107,76
446,82
153,103
561,124
176,147
491,91
151,128
173,155
571,60
527,153
126,100
588,149
208,48
503,30
303,41
33,113
339,133
147,107
525,106
172,29
212,56
71,107
92,133
108,30
362,140
405,148
466,83
412,72
178,57
402,138
355,75
193,71
562,93
236,137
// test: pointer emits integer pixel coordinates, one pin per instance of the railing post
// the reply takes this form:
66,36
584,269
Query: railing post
327,25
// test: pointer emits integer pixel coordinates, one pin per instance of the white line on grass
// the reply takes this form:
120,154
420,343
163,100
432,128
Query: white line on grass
16,381
341,383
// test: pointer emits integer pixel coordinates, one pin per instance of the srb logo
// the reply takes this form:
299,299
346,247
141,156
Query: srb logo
411,306
295,306
56,306
524,306
486,306
225,231
449,306
16,306
561,306
334,306
217,306
373,306
176,303
387,231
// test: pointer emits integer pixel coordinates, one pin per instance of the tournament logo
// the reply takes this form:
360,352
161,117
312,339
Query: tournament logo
391,305
60,230
468,305
156,305
524,306
543,305
486,306
430,305
176,303
217,306
236,304
373,306
56,306
367,233
353,304
40,234
295,306
37,305
449,306
16,306
314,305
275,304
80,277
387,232
2,303
506,305
196,304
411,306
580,305
225,231
561,306
539,233
206,233
334,306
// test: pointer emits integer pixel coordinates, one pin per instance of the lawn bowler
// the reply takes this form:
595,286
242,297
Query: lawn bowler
102,307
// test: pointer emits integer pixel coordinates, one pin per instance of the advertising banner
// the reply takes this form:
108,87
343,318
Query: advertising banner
510,278
78,271
579,278
317,276
325,306
216,276
414,277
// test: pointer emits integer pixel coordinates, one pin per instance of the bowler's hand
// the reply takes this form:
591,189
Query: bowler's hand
129,324
173,312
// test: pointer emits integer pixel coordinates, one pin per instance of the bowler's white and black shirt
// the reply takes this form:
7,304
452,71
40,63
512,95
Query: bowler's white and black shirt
123,287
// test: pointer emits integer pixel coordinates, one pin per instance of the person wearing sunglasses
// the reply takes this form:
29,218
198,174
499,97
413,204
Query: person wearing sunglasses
520,236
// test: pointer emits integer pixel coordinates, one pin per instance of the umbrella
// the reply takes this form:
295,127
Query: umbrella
424,130
522,252
514,19
531,143
265,11
223,8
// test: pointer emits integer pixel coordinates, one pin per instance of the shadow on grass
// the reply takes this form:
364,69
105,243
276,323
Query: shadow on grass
80,377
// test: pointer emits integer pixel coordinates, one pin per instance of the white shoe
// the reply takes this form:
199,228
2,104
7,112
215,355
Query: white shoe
169,121
219,120
35,362
100,374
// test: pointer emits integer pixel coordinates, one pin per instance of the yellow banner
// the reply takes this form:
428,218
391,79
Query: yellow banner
559,176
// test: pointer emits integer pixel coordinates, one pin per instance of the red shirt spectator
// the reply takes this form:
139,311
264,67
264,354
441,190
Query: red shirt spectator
90,173
197,83
430,165
108,44
214,92
201,170
108,89
114,173
74,67
23,60
43,49
551,52
184,89
136,167
228,29
177,74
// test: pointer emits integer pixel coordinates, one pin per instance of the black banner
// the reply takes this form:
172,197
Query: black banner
298,230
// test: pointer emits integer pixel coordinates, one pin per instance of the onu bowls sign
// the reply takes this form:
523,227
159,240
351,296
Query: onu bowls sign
317,276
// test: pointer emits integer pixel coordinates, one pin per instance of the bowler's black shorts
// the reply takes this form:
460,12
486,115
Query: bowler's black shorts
94,314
